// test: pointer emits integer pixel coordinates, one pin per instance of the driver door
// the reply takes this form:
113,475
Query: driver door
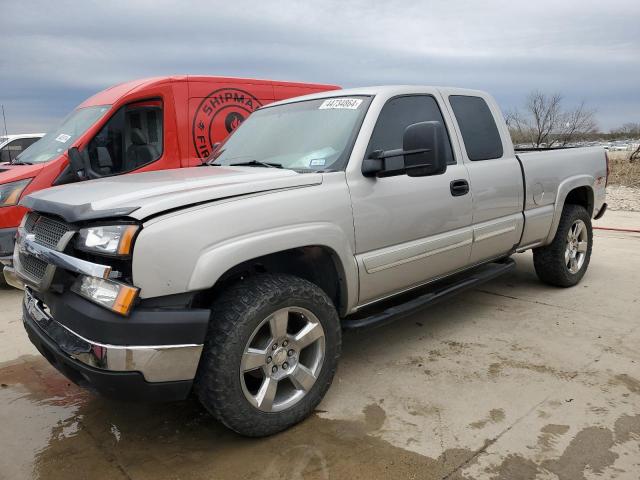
409,230
131,139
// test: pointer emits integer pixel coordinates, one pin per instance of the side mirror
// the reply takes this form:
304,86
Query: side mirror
81,165
424,150
75,160
422,154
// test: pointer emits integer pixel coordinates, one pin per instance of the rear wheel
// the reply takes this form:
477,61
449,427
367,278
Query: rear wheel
564,261
270,355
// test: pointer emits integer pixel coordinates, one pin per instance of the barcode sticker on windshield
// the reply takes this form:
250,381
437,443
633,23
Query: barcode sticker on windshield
346,103
63,138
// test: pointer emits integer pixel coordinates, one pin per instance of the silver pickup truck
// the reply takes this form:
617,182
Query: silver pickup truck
338,210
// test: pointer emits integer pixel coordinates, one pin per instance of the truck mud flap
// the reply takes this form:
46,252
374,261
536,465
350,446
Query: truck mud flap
601,212
406,304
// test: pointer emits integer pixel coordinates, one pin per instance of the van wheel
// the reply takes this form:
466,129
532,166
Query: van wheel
564,261
3,282
270,355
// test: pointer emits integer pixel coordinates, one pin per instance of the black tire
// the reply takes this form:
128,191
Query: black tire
549,261
3,282
235,315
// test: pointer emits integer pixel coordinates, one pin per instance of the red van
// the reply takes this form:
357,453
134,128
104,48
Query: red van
138,126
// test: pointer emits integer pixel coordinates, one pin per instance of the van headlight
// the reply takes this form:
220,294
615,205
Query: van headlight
107,239
115,296
10,192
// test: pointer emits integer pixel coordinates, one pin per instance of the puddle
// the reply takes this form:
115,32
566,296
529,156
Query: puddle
52,429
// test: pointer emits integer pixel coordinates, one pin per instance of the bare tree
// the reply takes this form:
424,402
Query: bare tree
628,130
576,123
544,123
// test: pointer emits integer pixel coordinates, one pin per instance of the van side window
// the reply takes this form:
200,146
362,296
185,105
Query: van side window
478,127
396,115
130,139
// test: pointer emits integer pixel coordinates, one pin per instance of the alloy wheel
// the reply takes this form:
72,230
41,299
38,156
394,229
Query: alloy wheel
282,359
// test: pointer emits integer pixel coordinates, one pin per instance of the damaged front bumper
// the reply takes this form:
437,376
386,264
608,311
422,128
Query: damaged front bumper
146,372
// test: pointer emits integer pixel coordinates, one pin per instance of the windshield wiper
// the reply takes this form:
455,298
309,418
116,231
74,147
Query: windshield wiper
19,162
255,163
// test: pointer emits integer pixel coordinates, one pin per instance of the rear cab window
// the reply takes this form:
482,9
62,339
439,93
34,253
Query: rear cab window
11,151
479,131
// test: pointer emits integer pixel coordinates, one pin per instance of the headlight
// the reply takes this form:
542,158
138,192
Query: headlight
109,240
10,192
115,296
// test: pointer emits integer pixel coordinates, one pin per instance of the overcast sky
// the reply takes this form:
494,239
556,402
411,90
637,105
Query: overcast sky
57,53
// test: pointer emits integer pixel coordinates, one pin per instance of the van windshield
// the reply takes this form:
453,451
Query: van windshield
311,135
59,140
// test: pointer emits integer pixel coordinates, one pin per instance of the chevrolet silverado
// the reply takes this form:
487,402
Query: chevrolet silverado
337,210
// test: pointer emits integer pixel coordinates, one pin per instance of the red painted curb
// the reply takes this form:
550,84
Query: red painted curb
617,229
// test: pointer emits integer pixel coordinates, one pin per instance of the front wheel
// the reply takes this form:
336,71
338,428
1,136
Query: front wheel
564,261
270,354
3,282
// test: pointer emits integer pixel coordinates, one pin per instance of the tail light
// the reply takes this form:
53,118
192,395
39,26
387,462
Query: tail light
606,157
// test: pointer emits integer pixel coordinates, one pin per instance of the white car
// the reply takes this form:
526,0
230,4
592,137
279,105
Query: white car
13,145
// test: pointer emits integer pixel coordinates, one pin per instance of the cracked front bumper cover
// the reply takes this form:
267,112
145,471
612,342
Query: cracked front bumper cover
127,372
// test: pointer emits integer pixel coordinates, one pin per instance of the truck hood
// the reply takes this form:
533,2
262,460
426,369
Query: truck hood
145,194
11,173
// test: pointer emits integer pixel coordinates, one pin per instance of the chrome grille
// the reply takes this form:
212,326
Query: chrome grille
48,231
30,222
33,266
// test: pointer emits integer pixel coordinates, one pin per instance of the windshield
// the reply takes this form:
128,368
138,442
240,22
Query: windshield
311,135
60,139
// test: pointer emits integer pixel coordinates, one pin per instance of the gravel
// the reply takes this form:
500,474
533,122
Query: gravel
623,198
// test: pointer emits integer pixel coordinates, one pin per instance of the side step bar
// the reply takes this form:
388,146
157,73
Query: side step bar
429,295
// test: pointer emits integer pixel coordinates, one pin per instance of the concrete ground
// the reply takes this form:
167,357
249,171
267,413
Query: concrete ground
513,380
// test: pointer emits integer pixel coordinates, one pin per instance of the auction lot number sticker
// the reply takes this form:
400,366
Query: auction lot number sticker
342,103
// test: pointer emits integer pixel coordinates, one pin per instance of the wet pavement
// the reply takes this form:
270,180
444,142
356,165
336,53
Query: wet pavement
514,380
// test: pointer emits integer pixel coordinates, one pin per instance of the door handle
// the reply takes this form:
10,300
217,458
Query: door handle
459,187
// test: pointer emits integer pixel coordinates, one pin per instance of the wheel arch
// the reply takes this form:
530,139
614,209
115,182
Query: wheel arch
576,191
306,252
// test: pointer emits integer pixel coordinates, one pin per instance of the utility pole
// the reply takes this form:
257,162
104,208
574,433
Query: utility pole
4,119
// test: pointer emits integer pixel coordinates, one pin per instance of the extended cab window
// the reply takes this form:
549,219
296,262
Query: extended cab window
130,139
396,115
479,131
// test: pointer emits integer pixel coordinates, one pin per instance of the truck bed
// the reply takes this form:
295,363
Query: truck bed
548,177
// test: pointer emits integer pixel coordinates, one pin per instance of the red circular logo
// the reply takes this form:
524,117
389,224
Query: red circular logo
219,114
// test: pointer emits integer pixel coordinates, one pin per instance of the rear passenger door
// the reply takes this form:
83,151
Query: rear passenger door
495,176
408,230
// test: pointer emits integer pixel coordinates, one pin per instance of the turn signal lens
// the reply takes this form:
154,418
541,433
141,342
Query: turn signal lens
115,296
